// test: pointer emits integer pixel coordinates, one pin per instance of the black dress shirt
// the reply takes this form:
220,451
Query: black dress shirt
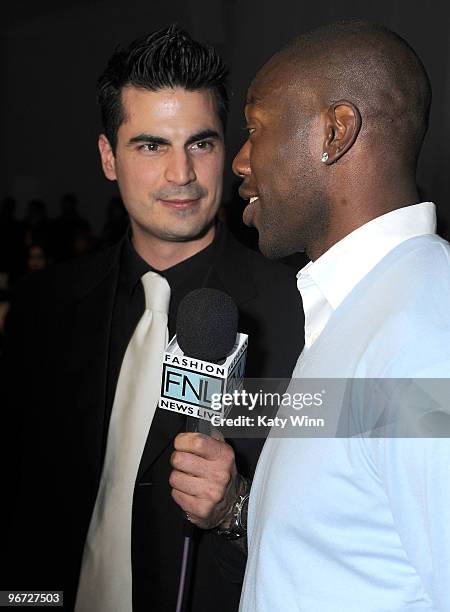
129,302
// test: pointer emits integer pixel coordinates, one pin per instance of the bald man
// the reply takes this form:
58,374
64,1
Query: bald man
358,520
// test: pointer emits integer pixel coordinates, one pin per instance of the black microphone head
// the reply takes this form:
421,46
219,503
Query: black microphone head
207,323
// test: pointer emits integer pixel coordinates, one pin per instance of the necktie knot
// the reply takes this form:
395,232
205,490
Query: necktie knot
157,292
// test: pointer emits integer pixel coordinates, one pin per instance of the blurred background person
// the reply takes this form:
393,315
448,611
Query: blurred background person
66,229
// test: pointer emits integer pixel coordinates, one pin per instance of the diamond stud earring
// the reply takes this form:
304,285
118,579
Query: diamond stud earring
324,157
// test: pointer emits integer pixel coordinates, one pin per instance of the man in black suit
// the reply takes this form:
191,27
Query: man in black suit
164,104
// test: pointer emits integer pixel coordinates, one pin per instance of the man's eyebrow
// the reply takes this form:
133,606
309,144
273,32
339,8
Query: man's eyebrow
203,135
148,138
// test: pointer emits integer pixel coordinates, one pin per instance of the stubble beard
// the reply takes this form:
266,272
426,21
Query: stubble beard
305,234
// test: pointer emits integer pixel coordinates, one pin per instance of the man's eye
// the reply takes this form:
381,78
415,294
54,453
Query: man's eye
202,145
149,147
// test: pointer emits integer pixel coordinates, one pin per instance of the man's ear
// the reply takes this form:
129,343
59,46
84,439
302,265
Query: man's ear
107,157
342,125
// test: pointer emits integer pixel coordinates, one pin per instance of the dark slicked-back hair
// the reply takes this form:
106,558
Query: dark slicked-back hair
167,58
377,70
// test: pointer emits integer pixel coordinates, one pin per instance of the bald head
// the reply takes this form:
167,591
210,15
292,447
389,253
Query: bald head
371,67
336,121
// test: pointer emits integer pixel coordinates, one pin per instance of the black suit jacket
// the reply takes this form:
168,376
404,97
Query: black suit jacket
53,421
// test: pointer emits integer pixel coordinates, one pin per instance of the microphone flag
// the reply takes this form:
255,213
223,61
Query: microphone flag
194,387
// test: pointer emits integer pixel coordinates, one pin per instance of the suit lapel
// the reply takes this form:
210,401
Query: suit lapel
230,272
89,366
85,312
165,427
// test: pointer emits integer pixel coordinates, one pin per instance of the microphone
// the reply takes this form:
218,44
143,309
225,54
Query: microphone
205,359
207,322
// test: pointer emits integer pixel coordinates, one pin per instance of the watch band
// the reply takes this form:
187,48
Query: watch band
238,526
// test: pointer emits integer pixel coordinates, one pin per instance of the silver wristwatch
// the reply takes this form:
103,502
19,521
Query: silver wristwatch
238,526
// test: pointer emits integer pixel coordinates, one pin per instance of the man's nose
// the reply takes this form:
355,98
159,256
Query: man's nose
241,163
180,168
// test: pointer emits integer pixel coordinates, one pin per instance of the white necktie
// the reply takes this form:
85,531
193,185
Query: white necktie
105,582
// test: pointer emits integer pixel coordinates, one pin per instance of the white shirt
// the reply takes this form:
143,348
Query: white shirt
324,283
354,523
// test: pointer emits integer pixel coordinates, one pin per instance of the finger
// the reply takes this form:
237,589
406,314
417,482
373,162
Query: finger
184,483
189,463
195,443
214,471
203,446
198,509
212,491
183,502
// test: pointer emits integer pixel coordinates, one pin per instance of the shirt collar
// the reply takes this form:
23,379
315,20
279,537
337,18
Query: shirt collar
340,269
133,266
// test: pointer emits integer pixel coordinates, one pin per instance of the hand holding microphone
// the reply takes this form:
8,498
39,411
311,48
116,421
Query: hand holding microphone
205,482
